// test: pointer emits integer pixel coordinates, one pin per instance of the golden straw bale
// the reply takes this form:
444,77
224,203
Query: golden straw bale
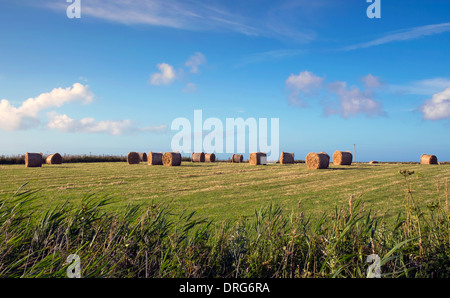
342,158
154,158
171,159
33,160
317,160
54,159
133,158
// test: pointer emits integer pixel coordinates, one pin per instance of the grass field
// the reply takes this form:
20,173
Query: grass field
228,191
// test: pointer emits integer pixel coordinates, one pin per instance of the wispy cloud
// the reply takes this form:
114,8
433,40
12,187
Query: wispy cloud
269,56
402,35
422,87
194,15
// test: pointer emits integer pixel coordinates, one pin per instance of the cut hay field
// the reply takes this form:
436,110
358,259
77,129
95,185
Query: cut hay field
228,191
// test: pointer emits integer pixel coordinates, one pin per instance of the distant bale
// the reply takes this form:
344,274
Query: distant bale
171,159
237,158
154,159
286,158
342,158
317,160
210,157
373,162
54,159
143,157
427,159
133,158
198,157
257,158
33,160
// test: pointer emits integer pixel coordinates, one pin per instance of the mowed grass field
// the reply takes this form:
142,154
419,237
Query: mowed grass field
223,191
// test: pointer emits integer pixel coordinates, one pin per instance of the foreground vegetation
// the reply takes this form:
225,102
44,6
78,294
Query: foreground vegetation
148,241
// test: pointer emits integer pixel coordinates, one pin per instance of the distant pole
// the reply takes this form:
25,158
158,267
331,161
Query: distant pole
354,152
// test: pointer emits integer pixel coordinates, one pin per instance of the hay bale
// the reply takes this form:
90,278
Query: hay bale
427,159
198,157
326,155
54,159
257,158
286,158
210,157
143,157
319,160
342,158
171,159
154,159
373,162
237,158
33,160
133,158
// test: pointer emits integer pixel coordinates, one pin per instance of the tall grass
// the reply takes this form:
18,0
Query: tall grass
149,241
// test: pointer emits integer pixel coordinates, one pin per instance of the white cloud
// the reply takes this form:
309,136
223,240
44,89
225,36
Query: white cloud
402,35
353,101
303,83
89,125
25,116
166,75
190,87
438,107
371,81
195,61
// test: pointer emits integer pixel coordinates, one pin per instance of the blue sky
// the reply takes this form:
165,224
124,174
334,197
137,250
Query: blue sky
114,80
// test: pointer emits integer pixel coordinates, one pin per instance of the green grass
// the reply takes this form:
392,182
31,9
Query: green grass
241,221
222,191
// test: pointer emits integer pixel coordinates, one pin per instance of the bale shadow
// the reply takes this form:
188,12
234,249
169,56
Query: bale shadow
349,168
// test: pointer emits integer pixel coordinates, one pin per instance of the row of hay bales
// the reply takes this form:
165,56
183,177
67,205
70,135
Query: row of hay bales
155,158
321,160
167,159
203,157
34,160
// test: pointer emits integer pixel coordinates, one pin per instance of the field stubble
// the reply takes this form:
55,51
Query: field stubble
223,191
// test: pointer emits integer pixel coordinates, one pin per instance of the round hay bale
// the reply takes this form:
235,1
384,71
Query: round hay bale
317,160
427,159
133,158
286,158
237,158
154,159
171,159
326,155
54,159
143,157
210,157
255,158
198,157
342,158
373,162
33,160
